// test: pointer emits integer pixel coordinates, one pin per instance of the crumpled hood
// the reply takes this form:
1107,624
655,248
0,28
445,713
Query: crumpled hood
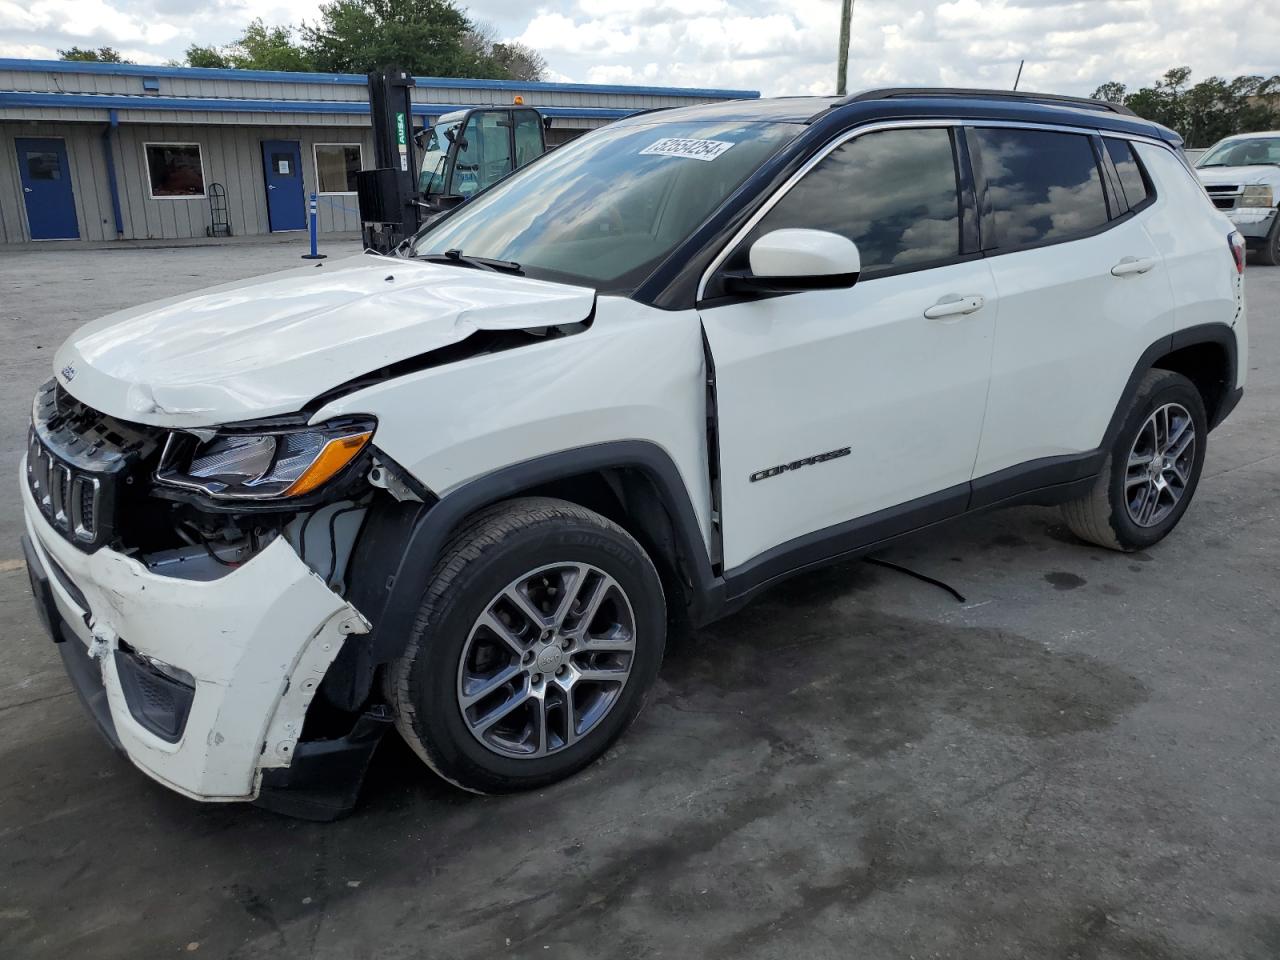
1225,176
265,346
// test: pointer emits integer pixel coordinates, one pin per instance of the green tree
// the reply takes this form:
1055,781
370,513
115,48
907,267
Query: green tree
198,56
268,48
424,36
1111,92
1206,112
88,54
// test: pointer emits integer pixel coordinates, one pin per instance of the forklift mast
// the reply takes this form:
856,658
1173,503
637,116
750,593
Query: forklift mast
389,211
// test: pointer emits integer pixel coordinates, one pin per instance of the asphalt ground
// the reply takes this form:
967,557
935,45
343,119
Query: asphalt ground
1078,762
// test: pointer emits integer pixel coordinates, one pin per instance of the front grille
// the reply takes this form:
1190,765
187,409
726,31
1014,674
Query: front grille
79,461
1224,196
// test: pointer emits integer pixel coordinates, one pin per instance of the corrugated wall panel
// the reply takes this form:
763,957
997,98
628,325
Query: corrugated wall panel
13,221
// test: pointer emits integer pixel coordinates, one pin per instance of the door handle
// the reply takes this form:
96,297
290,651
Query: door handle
271,186
1132,266
26,189
955,306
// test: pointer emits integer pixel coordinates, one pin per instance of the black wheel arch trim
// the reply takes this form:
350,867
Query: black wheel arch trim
390,601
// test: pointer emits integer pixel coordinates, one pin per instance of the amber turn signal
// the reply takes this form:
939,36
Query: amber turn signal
337,453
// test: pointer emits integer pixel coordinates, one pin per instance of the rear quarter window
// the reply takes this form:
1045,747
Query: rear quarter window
1043,186
1132,179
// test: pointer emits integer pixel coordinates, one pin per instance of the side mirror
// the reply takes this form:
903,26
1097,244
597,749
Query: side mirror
786,261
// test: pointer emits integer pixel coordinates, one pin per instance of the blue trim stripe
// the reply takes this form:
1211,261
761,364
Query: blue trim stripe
112,101
276,76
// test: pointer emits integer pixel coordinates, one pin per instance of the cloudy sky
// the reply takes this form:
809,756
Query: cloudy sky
775,46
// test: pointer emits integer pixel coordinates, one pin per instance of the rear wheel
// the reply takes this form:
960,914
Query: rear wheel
1270,252
1152,471
538,638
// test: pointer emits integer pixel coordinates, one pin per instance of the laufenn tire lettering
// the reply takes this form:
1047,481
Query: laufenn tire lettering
797,464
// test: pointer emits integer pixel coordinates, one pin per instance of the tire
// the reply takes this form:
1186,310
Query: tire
1119,512
1270,252
474,628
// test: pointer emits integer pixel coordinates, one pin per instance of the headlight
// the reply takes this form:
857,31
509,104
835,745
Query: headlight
1258,196
273,464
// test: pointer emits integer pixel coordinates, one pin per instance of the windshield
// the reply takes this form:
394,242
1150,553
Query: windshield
431,176
1242,152
605,210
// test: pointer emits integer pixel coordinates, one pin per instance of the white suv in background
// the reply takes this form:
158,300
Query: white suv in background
1242,177
465,491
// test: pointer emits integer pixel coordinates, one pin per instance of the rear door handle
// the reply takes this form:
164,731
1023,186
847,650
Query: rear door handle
26,189
955,306
1131,266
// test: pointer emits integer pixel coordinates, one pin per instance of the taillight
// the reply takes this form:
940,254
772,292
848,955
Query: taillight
1236,242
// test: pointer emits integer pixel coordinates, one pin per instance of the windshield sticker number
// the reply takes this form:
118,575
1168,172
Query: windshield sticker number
690,149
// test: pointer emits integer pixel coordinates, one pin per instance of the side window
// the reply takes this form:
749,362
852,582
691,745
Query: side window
892,193
1131,179
528,136
1043,187
486,157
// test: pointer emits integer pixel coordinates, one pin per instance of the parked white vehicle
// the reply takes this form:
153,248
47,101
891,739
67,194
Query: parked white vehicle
466,491
1242,177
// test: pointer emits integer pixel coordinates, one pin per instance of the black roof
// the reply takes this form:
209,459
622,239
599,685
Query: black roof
925,102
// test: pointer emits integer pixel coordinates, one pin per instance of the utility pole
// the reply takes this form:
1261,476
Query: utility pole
842,70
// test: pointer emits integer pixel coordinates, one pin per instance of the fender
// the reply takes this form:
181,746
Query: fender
396,554
1224,335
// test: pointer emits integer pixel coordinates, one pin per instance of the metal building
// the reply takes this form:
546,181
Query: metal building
101,151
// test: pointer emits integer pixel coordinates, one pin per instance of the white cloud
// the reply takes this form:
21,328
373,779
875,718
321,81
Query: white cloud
777,47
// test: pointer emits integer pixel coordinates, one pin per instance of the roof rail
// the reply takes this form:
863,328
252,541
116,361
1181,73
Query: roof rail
893,93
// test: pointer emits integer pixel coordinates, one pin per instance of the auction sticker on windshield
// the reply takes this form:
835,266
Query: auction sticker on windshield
691,149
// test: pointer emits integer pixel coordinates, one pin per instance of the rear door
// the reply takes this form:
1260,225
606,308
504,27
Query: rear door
835,405
1083,292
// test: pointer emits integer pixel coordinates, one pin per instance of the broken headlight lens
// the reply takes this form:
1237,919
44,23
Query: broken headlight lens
270,465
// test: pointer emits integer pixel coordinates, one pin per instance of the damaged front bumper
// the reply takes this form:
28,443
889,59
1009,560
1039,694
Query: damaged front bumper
204,684
1254,223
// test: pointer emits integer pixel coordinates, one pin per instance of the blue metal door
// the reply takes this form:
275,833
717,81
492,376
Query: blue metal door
46,188
286,204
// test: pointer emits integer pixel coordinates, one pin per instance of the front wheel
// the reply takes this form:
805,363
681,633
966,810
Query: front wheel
1270,252
1152,470
538,638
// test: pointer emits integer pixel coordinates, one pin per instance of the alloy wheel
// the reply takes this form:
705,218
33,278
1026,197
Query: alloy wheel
1160,465
546,660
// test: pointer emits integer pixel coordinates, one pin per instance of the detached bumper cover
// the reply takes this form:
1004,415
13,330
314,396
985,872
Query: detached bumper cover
256,643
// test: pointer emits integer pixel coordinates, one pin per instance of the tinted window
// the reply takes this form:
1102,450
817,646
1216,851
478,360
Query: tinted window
175,169
1131,180
892,193
1042,186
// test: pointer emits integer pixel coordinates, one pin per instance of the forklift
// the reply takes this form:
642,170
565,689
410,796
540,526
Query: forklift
462,154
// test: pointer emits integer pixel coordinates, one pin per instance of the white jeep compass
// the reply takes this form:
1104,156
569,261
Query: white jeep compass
466,490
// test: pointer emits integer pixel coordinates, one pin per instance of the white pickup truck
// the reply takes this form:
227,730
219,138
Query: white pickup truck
1242,175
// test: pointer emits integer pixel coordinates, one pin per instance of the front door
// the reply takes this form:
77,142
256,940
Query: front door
836,405
286,202
46,188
